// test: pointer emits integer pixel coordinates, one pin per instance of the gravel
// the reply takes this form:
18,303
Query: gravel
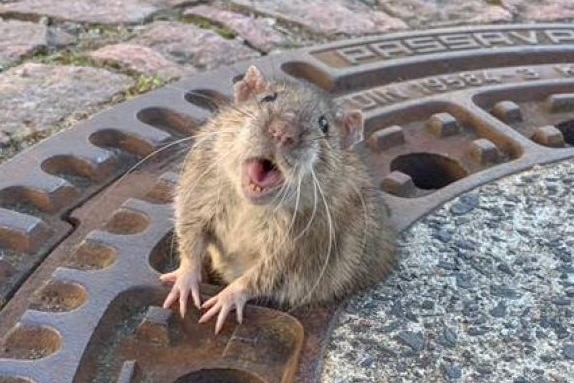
489,279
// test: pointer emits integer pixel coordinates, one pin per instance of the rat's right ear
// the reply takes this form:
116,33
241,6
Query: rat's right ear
353,128
251,84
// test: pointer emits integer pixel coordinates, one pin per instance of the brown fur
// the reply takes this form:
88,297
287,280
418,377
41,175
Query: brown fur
282,248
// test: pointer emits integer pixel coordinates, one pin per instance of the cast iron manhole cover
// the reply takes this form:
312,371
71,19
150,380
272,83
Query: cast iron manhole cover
446,110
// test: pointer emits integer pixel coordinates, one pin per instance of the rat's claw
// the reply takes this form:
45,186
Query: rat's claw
183,295
232,297
185,280
169,277
171,297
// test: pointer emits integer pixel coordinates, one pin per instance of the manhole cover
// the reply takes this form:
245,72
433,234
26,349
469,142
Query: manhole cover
446,110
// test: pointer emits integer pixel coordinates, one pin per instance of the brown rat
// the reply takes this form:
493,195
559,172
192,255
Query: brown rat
272,191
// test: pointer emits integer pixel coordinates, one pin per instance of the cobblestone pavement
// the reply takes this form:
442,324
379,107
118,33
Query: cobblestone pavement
62,61
132,46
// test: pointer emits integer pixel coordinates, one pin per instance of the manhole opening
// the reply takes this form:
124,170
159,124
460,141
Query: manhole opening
75,170
58,296
206,99
25,200
127,222
169,121
429,171
567,129
114,139
164,258
28,342
223,375
92,256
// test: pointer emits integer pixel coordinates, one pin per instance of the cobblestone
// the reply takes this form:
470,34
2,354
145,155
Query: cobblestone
258,32
129,37
435,13
327,17
187,44
88,11
543,10
19,39
140,59
37,96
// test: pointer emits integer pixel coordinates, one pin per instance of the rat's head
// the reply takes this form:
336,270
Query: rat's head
285,137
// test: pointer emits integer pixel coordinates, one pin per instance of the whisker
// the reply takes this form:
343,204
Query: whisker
308,226
329,247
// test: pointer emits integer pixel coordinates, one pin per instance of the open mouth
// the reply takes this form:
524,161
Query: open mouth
261,177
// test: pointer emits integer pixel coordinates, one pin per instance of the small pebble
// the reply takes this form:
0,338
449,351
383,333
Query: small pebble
427,305
463,281
443,235
451,371
499,311
561,301
477,331
414,340
568,351
460,208
484,370
505,269
450,336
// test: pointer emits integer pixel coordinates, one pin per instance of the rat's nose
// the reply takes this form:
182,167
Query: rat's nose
282,132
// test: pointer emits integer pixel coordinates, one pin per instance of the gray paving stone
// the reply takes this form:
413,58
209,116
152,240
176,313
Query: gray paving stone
36,96
90,11
327,17
498,328
542,10
140,59
257,31
187,44
421,13
19,39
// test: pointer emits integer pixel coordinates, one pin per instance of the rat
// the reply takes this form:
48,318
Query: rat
273,192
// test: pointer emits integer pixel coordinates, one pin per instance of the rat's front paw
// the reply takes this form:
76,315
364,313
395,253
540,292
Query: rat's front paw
185,280
234,296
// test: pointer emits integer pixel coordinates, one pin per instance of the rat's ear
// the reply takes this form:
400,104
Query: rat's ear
251,84
352,128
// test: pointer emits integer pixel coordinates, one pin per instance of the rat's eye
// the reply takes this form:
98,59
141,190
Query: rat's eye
323,124
269,98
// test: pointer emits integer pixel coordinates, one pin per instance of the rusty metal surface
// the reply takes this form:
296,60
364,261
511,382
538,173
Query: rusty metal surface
446,110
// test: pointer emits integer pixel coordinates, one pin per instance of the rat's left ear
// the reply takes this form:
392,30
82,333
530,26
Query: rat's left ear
352,128
251,84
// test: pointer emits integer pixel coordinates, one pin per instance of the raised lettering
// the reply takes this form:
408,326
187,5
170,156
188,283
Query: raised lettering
434,84
459,41
453,82
362,101
388,95
425,44
559,36
390,49
528,73
566,70
531,38
489,39
357,54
